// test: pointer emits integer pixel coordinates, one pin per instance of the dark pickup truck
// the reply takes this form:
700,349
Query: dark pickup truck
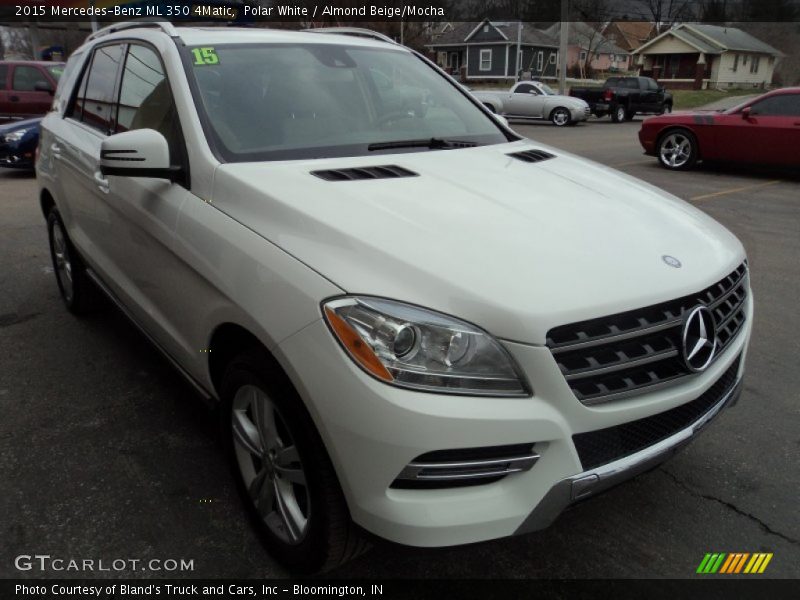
624,97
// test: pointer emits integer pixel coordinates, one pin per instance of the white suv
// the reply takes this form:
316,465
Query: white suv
416,322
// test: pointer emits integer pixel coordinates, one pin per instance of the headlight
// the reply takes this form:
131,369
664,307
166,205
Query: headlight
417,348
15,136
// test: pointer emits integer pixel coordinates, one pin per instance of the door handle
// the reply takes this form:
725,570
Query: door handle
56,150
102,182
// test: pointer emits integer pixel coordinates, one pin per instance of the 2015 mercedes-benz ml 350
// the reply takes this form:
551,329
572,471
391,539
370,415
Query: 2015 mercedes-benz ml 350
417,324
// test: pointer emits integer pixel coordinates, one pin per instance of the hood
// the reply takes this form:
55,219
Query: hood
512,246
17,125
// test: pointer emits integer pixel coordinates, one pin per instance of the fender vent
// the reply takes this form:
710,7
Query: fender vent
381,172
532,156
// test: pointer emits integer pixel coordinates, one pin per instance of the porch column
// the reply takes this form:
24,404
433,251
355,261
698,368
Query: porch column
699,72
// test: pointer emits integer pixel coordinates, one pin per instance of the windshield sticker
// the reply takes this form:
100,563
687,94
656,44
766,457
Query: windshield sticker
205,56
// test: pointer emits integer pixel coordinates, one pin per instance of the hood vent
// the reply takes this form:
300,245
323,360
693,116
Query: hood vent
381,172
532,156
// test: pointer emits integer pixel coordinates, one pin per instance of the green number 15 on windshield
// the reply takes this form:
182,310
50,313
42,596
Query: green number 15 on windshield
205,56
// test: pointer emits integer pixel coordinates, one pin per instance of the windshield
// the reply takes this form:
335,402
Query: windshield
56,71
547,89
284,101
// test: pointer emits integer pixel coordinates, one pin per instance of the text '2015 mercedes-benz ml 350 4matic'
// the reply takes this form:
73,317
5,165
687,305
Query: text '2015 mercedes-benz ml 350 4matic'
417,324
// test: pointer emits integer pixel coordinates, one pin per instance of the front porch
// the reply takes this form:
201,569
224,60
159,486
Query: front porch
685,70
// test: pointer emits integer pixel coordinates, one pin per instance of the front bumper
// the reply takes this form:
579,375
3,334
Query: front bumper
373,431
16,157
580,114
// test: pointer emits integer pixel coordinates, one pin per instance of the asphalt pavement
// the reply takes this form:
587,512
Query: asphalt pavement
106,454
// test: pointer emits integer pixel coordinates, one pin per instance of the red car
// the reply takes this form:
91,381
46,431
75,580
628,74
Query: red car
765,130
27,87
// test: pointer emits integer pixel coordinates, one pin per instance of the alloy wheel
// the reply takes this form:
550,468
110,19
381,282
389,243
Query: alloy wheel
62,263
270,465
560,117
676,150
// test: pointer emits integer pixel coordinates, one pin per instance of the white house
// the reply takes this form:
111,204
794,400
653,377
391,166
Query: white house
691,56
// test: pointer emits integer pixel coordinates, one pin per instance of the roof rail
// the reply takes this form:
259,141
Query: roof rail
354,31
165,26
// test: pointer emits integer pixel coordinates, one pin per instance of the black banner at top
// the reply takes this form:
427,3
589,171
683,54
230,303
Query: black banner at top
320,12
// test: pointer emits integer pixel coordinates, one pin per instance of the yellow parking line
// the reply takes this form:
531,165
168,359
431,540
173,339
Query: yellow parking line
734,190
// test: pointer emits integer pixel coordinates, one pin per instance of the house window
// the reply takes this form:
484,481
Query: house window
735,62
583,55
540,61
520,66
553,56
754,64
486,60
485,29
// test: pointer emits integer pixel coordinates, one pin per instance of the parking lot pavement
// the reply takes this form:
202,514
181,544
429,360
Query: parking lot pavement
105,453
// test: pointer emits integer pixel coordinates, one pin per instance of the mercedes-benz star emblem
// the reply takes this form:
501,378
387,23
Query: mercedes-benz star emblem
699,339
671,261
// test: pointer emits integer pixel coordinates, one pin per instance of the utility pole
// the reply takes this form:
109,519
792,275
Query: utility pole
518,59
562,48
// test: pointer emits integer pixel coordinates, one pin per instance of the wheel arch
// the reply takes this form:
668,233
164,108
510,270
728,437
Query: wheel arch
228,340
46,201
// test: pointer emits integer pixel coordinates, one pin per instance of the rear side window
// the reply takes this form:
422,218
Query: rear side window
3,76
95,102
26,78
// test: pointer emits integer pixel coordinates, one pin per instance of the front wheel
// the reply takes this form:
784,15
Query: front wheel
283,471
619,115
677,150
560,117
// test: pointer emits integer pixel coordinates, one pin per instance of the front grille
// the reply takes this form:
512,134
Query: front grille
360,173
597,448
461,467
625,354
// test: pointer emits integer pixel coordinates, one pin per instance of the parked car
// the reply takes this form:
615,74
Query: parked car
625,97
18,141
422,324
764,130
534,100
27,87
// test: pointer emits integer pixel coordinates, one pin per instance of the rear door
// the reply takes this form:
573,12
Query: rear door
24,99
89,118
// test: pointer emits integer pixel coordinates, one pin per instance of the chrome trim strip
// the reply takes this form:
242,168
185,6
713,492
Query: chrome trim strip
493,467
615,338
620,366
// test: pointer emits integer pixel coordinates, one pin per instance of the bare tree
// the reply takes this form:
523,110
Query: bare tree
591,18
665,13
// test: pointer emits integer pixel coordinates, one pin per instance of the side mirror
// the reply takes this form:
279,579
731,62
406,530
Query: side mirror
746,112
137,153
44,86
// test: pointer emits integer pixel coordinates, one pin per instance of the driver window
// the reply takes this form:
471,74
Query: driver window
777,106
525,89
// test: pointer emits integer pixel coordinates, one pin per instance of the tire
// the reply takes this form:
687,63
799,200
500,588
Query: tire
665,109
619,114
677,150
283,473
78,292
560,116
630,115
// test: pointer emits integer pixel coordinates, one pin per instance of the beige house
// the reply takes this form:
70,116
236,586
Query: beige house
691,56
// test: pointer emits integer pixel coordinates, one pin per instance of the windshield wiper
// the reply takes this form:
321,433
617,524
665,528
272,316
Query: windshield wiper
432,143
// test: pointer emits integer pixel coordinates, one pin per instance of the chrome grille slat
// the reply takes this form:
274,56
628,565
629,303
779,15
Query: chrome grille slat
626,354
